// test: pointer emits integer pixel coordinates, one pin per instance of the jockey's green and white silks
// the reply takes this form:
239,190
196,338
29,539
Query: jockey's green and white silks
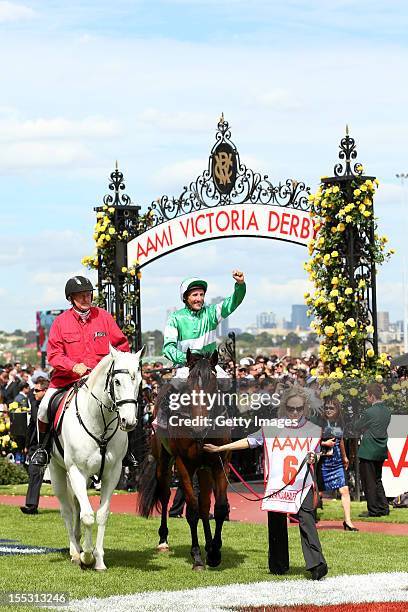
189,329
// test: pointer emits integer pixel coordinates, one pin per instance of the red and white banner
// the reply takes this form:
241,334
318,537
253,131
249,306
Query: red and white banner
395,469
247,220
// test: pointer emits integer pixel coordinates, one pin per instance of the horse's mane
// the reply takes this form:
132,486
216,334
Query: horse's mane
201,368
100,367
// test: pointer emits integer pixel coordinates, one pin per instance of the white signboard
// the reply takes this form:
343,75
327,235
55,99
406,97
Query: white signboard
250,220
395,469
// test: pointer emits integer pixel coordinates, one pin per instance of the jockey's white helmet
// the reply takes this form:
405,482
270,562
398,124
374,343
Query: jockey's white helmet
190,283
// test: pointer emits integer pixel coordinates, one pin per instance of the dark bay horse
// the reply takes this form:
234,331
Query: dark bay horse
184,447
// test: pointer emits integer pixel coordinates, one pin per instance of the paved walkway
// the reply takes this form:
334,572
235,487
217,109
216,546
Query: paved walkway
241,510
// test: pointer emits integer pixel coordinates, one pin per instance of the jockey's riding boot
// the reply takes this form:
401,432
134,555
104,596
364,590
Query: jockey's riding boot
41,456
129,460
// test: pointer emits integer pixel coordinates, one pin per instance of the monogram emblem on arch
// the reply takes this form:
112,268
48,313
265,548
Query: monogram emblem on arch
224,167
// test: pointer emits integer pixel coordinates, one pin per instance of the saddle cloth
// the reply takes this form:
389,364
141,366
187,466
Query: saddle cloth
57,406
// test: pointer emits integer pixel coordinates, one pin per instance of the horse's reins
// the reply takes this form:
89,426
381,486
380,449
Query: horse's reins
258,498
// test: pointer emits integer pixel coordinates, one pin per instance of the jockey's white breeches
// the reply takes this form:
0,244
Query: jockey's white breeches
43,407
184,372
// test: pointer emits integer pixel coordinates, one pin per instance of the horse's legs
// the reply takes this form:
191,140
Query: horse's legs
192,512
109,481
78,483
220,514
163,477
204,500
60,486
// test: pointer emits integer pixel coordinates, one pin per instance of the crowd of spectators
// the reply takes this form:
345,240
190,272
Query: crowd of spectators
22,386
19,392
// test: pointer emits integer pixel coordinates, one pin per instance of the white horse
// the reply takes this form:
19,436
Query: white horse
94,439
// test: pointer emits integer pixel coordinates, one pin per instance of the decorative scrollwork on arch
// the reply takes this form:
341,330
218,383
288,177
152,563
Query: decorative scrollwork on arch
117,185
249,188
348,152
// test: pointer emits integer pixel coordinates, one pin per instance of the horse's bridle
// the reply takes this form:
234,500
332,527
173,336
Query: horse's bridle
110,382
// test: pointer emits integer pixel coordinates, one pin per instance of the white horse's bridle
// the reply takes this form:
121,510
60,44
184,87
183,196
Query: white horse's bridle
110,382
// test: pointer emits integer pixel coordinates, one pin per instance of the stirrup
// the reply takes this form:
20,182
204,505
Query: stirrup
40,457
129,460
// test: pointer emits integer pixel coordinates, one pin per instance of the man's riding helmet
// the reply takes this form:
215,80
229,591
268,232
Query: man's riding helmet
191,283
77,284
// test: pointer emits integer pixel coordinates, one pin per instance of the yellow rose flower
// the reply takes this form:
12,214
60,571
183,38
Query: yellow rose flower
334,254
341,227
349,219
353,392
357,192
340,397
370,353
348,291
351,322
112,230
329,330
335,189
124,269
331,306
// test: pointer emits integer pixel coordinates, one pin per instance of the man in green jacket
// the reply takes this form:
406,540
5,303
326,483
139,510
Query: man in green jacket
373,451
194,326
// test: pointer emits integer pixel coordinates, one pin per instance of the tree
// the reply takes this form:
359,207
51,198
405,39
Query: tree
291,339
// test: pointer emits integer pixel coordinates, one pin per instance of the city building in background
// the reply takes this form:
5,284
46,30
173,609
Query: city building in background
300,319
266,320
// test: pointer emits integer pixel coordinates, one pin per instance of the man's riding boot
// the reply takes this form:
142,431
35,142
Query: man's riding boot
41,456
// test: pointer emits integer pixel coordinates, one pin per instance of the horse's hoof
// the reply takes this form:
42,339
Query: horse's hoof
100,569
76,560
198,568
211,562
87,560
163,547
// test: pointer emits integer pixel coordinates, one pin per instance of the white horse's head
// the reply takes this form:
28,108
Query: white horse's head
122,385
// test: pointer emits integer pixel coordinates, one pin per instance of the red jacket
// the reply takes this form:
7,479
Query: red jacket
71,341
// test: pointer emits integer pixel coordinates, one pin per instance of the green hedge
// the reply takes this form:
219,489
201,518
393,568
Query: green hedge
10,473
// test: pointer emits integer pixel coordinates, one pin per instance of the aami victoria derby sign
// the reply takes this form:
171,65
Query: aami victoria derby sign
241,220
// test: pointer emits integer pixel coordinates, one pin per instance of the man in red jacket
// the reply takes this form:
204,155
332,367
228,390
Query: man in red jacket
79,338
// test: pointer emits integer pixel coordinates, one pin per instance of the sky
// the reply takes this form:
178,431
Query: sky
144,82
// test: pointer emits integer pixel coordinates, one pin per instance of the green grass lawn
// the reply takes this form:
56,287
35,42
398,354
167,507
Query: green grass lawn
332,507
333,511
46,489
135,566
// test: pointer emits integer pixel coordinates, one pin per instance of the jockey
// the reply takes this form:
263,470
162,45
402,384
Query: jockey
79,338
193,327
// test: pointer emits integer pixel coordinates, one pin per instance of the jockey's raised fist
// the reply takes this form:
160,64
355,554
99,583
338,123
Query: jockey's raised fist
238,276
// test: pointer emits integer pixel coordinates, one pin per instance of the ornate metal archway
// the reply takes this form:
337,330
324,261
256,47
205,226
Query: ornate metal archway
227,186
